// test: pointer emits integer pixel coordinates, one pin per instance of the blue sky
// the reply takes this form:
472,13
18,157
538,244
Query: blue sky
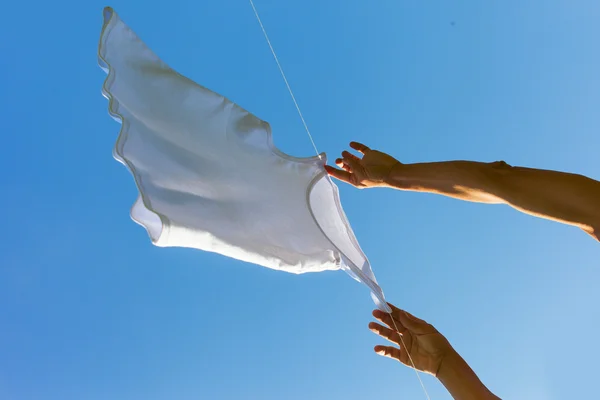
89,309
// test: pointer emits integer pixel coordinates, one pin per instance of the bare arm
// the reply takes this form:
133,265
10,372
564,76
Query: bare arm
567,198
461,381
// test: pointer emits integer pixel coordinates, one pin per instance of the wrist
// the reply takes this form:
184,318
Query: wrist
460,380
451,363
395,177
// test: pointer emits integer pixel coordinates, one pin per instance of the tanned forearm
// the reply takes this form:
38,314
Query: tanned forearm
461,381
568,198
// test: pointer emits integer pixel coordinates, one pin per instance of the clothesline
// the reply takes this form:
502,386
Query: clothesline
315,147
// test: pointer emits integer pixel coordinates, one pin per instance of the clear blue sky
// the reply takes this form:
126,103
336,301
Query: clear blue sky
89,309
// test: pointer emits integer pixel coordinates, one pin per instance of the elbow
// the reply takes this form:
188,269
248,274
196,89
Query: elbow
593,232
591,226
497,178
499,171
500,167
595,229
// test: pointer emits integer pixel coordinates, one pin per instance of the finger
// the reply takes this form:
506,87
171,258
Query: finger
394,353
387,319
385,333
408,315
349,156
340,163
383,317
351,160
404,316
388,351
359,147
344,176
343,165
393,307
413,323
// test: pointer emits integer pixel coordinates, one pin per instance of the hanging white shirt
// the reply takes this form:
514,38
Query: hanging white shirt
210,177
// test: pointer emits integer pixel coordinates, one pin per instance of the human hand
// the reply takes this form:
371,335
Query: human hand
426,346
372,170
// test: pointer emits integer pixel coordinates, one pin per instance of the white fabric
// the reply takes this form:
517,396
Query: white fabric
210,177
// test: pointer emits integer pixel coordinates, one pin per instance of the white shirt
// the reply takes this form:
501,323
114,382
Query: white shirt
210,177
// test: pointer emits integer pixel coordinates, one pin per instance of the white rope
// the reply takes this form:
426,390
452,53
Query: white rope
410,358
284,78
317,151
